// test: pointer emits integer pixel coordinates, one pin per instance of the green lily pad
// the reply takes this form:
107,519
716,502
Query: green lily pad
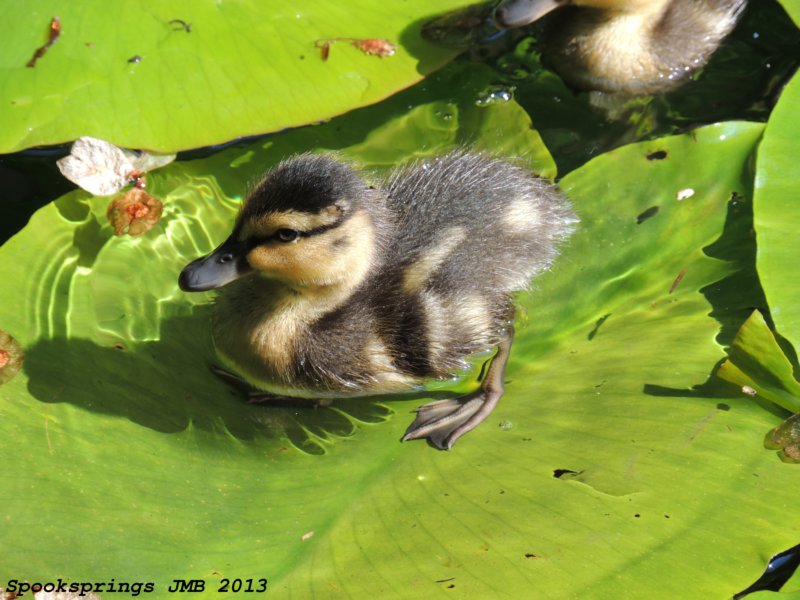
168,77
777,212
757,364
124,457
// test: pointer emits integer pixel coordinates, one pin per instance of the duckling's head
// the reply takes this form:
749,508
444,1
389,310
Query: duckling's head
510,14
309,223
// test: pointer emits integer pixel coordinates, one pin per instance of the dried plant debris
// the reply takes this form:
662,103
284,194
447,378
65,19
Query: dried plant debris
180,25
53,33
11,357
102,169
371,46
786,438
134,213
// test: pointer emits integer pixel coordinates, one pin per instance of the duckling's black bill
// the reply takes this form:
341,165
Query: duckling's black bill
510,14
225,264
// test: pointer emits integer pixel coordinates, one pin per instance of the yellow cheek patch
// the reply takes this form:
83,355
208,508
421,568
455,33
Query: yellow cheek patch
266,225
320,259
295,261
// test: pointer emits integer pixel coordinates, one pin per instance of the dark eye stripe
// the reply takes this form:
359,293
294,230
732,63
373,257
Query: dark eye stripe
323,228
258,241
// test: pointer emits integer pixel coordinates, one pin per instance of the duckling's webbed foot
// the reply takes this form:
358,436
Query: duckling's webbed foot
444,421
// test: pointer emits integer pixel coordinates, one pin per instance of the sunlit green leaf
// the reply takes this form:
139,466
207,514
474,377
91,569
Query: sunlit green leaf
777,212
123,457
168,76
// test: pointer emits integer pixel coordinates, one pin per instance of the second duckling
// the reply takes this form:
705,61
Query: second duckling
628,46
332,286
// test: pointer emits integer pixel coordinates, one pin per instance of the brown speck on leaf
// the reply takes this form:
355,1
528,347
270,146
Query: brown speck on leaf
135,213
649,213
375,47
278,451
371,46
181,25
324,49
11,357
55,31
678,279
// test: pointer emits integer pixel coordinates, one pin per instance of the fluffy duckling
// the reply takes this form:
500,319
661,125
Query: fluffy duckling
334,287
627,46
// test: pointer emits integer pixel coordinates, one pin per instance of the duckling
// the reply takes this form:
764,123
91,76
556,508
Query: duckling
630,46
332,286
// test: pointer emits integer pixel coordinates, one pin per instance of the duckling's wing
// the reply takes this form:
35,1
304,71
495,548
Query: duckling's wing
471,231
466,213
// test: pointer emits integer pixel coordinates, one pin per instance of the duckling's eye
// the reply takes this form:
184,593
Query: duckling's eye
286,235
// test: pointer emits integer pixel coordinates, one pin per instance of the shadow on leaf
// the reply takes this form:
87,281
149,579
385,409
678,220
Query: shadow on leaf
166,386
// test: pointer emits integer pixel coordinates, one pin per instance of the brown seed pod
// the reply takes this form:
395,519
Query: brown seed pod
786,437
371,46
11,357
134,213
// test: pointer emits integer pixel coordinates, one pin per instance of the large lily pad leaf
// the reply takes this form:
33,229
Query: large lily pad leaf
777,212
167,77
124,458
